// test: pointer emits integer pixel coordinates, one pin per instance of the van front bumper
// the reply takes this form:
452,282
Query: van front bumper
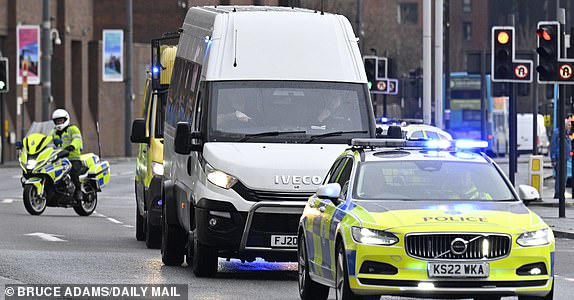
247,234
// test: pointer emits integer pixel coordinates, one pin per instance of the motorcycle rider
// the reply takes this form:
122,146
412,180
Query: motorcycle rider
71,141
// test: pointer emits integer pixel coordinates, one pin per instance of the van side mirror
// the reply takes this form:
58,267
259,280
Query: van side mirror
138,132
182,138
186,140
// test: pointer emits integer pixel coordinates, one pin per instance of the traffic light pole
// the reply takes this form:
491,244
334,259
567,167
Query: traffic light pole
561,155
512,133
2,137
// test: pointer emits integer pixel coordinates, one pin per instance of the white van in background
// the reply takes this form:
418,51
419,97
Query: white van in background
524,134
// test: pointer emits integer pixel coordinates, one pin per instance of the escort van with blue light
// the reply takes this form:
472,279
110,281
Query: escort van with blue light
148,132
397,217
261,101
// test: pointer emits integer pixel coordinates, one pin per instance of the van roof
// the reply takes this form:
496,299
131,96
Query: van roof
272,43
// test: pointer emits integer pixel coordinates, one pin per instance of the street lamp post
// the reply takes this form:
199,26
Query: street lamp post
49,35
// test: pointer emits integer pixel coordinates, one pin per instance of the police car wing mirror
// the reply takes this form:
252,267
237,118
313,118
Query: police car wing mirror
329,191
528,193
19,145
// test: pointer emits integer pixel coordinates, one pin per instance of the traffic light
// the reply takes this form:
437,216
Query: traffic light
548,50
371,70
503,49
4,75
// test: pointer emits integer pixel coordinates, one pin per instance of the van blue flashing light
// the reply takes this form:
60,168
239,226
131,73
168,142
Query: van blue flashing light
471,144
207,39
155,69
384,120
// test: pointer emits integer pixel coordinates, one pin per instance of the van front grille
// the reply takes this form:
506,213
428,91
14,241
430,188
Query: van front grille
258,195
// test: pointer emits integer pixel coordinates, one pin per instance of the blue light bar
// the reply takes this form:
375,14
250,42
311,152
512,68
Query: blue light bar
471,144
384,120
438,144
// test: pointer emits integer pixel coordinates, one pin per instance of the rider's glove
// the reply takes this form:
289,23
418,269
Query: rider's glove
63,153
70,148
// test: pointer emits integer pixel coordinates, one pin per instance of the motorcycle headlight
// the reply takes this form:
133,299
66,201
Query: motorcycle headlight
535,238
219,178
31,164
157,168
373,237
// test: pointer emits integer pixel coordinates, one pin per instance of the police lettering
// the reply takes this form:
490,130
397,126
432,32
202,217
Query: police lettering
454,219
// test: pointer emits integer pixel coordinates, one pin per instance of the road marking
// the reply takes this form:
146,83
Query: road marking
128,226
47,236
7,201
97,214
114,220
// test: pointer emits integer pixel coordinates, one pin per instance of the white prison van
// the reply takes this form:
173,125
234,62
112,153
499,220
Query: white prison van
261,102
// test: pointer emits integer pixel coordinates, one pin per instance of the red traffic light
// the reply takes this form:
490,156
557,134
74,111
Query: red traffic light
544,33
503,37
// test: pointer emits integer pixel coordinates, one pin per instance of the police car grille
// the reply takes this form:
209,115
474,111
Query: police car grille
258,195
437,246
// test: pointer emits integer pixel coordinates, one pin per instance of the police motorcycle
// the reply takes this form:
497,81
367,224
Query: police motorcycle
46,176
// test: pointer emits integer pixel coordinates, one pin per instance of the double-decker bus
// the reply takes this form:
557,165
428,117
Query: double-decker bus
466,119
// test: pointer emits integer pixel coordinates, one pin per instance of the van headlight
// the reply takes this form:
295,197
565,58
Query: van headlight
373,237
157,168
535,238
219,178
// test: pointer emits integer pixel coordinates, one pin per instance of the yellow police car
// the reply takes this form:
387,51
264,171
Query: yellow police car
396,217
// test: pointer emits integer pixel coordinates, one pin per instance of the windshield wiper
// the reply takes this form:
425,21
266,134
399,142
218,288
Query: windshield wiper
334,133
269,133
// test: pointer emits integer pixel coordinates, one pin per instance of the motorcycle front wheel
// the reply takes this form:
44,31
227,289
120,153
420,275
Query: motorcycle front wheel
87,205
35,204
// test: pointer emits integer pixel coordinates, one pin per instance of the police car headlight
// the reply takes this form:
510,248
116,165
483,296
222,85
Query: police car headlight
373,236
157,168
535,238
31,164
219,178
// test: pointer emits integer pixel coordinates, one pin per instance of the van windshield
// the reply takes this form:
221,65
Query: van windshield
292,111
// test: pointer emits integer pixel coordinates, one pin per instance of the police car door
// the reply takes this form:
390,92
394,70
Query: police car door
331,216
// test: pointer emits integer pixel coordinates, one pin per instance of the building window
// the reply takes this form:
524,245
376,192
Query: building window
467,31
408,13
467,6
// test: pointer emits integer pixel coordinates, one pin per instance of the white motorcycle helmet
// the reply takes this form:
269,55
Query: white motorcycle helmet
61,119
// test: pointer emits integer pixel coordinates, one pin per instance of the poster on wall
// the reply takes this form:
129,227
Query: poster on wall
28,44
112,55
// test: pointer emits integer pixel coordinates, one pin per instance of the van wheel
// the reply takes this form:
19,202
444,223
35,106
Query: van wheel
152,234
140,233
204,259
172,243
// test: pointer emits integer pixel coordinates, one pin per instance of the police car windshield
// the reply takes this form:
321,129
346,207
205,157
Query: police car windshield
250,108
430,180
